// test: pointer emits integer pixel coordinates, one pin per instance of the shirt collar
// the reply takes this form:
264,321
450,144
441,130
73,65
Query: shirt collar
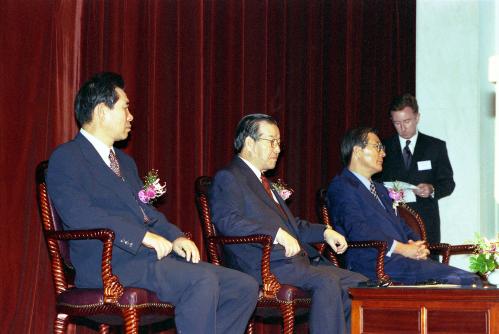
99,146
362,179
255,170
413,140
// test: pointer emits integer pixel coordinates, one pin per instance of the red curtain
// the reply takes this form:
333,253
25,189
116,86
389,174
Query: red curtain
192,68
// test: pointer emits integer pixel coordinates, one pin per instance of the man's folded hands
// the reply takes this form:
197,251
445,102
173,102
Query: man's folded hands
182,246
416,250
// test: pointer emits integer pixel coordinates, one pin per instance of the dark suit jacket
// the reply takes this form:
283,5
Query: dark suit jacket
359,216
87,195
440,176
240,206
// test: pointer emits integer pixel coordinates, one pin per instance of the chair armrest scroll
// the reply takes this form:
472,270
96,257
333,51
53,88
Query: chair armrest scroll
270,283
113,290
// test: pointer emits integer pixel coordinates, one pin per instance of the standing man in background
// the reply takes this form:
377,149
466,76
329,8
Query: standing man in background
420,160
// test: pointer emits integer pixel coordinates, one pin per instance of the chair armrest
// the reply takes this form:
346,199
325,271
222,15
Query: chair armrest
113,290
462,249
380,246
441,249
270,283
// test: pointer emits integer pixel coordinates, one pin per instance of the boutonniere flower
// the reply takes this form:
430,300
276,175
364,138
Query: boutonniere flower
152,188
282,189
486,257
396,194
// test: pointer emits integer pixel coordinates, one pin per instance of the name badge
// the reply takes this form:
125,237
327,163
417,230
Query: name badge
424,165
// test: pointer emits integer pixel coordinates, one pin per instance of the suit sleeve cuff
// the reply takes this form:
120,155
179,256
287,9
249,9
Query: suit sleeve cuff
392,249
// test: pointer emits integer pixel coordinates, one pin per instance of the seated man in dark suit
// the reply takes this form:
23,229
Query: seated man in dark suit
362,210
95,185
244,203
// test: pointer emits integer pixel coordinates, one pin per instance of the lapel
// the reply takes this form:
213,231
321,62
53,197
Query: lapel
419,150
106,176
368,198
256,186
396,156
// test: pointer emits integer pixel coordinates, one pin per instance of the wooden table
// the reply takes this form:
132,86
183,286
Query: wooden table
404,310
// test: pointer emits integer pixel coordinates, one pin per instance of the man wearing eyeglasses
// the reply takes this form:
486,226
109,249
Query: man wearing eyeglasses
244,203
362,210
420,160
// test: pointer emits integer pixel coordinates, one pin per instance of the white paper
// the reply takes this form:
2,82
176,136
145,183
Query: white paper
424,165
409,195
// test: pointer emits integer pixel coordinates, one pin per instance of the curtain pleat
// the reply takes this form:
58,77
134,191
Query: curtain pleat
192,68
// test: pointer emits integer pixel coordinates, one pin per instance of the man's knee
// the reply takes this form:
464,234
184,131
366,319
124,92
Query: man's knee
206,279
328,284
249,285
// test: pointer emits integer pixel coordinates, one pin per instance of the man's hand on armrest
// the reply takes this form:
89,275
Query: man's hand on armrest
187,249
162,246
416,250
290,244
335,240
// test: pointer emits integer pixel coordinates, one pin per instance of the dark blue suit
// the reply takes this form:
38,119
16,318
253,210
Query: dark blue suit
87,194
360,216
240,206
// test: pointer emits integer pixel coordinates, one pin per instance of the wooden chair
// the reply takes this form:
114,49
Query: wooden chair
275,298
416,223
111,305
381,246
287,300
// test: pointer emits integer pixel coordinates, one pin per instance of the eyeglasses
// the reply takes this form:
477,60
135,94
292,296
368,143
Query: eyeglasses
274,143
378,146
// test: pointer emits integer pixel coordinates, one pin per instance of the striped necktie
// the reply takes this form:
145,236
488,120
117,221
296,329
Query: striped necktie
266,186
372,188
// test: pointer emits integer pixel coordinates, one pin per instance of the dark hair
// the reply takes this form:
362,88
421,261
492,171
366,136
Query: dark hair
100,88
354,137
400,102
249,126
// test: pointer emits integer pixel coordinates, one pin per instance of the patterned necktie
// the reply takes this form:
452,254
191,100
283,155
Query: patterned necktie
266,186
115,165
407,154
372,188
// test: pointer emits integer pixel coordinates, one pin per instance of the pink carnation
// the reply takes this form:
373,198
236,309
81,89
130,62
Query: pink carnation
396,195
150,191
285,193
143,197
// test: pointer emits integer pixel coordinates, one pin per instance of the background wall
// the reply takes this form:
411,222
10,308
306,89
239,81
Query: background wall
453,43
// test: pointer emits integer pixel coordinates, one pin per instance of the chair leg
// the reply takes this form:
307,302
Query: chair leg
250,329
60,323
131,316
288,318
103,329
